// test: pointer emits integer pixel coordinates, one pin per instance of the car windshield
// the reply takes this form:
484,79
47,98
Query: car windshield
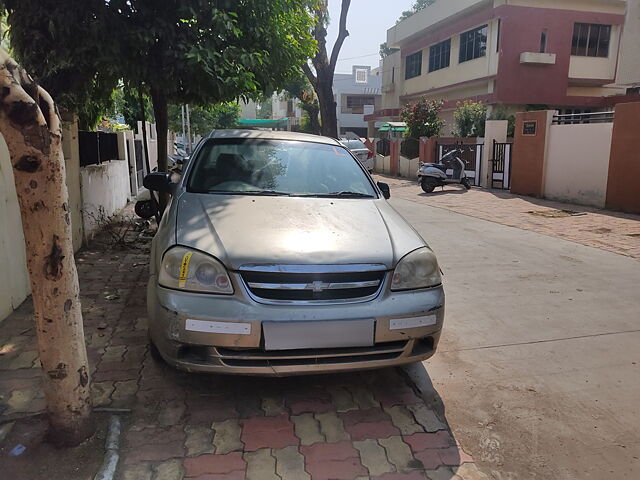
277,167
354,144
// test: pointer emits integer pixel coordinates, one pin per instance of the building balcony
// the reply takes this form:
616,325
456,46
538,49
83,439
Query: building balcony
361,110
536,58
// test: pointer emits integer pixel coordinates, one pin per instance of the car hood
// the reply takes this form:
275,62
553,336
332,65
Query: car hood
241,230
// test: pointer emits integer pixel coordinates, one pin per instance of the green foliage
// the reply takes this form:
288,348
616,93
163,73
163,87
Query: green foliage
423,118
417,6
183,51
470,118
534,107
305,124
386,50
58,43
264,107
501,113
126,102
299,87
4,33
205,119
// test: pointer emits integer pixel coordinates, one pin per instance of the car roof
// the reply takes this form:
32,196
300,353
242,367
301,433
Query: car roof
270,135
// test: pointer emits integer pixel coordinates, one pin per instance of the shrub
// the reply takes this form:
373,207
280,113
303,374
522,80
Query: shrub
470,118
423,118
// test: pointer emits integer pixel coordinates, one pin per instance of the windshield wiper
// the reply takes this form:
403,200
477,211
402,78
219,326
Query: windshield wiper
268,192
272,193
346,194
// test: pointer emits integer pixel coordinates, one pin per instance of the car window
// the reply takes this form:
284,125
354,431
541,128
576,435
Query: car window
354,144
258,166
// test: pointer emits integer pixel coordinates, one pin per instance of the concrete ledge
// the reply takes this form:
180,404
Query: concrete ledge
535,58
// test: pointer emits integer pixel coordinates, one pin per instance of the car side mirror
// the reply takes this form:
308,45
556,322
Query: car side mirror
158,182
384,188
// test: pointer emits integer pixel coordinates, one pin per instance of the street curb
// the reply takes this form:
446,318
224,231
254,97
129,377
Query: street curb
112,456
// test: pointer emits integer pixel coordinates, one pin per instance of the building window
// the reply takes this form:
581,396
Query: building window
356,103
440,56
498,35
413,67
473,44
543,41
591,40
361,75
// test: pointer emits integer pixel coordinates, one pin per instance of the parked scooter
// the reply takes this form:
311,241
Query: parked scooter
432,175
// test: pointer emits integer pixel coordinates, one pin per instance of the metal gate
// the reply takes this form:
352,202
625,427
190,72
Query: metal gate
501,165
140,163
471,156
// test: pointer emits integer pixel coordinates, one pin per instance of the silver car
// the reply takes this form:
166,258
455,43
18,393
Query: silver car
279,255
361,152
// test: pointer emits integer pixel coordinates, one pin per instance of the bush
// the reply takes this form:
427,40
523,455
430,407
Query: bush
470,118
423,118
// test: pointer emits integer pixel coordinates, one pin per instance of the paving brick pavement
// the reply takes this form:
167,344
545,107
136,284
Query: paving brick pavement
612,231
365,425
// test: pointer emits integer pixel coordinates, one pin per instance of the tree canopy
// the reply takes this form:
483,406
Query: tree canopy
299,87
179,51
205,119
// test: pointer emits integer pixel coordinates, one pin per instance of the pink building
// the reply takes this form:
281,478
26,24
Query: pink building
575,56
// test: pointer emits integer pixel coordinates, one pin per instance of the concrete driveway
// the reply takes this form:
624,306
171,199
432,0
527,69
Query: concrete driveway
538,368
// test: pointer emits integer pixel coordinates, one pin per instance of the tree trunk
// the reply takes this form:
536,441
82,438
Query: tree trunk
143,117
30,125
160,113
328,114
314,121
325,66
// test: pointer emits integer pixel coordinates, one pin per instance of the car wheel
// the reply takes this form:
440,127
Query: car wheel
155,353
428,184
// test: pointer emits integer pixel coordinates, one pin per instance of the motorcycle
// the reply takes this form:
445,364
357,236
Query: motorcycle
432,175
147,204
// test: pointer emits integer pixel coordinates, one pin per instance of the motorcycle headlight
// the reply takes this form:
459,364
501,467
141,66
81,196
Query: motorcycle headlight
193,271
418,269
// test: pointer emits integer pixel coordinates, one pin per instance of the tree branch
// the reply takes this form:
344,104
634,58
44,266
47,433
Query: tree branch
51,116
20,89
312,78
342,34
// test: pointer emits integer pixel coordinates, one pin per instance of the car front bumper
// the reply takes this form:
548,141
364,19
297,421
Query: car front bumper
242,351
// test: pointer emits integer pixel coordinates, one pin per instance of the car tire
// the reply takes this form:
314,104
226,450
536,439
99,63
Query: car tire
428,184
155,353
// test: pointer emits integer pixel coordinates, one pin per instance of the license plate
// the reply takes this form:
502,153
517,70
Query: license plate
310,334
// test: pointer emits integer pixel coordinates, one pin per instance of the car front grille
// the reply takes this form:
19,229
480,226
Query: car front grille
257,357
321,285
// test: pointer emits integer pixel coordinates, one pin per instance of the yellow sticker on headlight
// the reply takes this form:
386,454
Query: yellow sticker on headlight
184,269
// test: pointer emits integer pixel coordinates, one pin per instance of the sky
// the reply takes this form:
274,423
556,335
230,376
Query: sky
368,22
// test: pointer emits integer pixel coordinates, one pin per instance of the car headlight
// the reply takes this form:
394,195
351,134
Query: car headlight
186,269
418,269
